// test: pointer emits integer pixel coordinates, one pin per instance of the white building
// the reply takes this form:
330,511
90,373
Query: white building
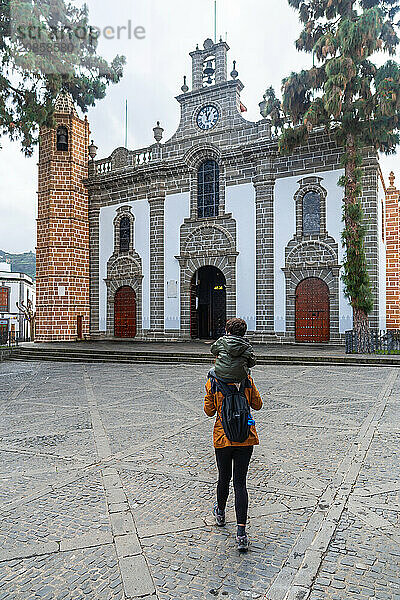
14,288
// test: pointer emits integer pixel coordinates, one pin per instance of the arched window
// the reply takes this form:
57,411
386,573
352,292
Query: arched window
208,189
311,213
62,138
124,234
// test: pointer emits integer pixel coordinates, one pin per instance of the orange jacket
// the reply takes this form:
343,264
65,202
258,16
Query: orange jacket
213,404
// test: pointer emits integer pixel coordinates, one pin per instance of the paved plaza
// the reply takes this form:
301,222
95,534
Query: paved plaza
108,480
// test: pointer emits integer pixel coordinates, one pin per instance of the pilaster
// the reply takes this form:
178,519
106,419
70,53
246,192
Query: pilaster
392,224
370,208
94,266
264,187
156,200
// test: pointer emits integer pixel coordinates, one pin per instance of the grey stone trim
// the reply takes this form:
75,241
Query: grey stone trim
114,283
189,266
194,158
157,286
94,216
311,253
310,184
370,204
124,269
123,211
120,158
206,241
265,276
293,277
315,255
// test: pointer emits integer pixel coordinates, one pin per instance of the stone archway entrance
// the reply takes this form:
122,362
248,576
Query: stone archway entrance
312,311
207,303
125,313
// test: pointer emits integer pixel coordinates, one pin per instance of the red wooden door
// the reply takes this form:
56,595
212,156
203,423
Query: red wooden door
125,313
312,311
3,331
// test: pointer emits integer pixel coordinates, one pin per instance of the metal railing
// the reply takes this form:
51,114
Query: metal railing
8,343
9,340
378,341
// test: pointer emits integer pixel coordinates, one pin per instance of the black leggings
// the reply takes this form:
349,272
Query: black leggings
240,455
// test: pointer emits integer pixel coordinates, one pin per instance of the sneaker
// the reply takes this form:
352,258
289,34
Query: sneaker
219,518
242,543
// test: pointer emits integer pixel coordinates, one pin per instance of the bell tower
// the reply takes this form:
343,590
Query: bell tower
209,65
62,254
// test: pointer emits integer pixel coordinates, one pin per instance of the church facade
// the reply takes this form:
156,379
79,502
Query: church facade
173,239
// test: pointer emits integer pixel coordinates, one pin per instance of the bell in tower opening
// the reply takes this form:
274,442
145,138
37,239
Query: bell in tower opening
209,71
209,66
62,138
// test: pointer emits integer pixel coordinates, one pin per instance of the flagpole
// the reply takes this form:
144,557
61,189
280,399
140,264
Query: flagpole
126,123
215,21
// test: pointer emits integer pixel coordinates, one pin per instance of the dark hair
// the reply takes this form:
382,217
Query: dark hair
236,327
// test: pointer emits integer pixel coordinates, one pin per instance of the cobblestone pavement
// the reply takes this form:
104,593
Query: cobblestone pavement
107,481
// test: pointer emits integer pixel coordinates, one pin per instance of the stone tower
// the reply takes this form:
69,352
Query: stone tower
63,228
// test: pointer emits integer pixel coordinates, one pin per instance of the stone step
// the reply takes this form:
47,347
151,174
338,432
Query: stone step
143,357
96,357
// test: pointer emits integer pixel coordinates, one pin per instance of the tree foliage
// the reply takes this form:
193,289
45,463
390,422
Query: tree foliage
349,96
271,107
47,46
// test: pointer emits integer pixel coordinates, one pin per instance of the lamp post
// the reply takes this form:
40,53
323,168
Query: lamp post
93,150
158,132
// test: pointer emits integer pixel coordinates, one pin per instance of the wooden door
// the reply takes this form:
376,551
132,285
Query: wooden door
125,313
312,311
3,331
219,310
194,327
79,327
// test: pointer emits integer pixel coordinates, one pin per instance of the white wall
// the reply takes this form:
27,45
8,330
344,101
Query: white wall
382,258
177,208
14,296
13,314
240,201
141,211
285,228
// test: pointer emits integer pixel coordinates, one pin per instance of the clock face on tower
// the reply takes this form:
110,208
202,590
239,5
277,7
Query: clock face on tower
208,117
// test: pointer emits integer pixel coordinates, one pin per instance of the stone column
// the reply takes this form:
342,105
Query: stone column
264,186
392,232
371,206
221,64
94,266
157,283
197,69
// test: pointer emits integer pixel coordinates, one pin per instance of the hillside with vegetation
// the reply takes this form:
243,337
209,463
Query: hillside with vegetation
20,263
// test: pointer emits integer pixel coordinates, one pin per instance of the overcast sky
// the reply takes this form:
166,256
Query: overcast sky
261,34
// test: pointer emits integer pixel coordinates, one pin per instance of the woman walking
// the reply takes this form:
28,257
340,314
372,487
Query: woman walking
232,401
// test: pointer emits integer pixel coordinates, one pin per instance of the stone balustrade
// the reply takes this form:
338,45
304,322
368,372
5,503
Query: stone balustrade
122,158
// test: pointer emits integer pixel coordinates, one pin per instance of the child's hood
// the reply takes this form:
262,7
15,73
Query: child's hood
235,345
